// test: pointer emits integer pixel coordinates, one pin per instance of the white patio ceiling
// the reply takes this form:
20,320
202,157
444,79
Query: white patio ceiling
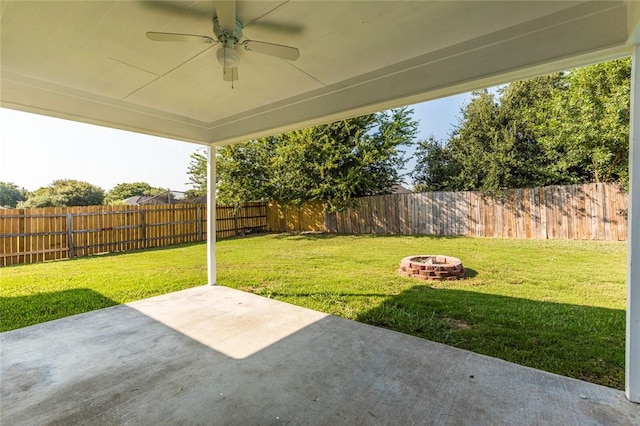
90,61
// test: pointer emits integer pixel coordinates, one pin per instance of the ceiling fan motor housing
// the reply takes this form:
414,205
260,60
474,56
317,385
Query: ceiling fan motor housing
225,36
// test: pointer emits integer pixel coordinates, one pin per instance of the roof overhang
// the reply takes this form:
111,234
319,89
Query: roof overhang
91,62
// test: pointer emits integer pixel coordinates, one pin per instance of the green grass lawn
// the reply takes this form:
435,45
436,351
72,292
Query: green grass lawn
554,305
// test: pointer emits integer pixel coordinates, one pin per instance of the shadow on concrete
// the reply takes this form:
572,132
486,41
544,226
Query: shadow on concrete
583,342
213,355
22,311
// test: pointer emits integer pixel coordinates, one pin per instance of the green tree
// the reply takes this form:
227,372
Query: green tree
334,162
494,145
563,128
242,171
523,105
586,129
11,194
472,144
122,191
197,173
65,193
435,166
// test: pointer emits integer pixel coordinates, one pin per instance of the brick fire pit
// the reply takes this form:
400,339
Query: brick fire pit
431,267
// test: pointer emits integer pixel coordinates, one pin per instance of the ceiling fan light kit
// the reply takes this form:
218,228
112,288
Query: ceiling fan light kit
227,55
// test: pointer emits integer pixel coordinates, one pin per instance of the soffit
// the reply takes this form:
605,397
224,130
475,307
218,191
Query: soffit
90,61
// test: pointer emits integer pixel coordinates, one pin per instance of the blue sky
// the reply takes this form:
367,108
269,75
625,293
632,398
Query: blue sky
35,150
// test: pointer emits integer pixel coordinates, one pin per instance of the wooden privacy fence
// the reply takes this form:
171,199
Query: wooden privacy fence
581,212
36,235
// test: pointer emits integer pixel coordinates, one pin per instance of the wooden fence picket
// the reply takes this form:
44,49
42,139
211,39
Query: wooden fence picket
37,235
593,211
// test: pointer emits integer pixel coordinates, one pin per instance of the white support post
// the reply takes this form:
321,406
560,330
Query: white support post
211,216
632,361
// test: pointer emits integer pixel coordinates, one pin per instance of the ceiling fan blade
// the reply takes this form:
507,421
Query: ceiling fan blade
226,11
151,35
230,74
278,50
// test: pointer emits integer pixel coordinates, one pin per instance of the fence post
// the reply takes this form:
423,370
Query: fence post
199,222
235,219
70,235
21,241
143,229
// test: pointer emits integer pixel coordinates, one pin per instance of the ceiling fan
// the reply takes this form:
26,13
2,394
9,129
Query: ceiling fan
228,32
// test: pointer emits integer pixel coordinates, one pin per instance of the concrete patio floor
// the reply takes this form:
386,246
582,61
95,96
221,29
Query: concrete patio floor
217,356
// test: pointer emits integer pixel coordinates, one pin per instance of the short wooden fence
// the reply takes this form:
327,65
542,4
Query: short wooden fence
576,212
36,235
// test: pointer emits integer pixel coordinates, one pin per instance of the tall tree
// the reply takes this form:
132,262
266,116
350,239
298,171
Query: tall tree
563,128
197,173
435,166
334,162
11,194
587,127
524,104
494,145
65,193
472,144
122,191
242,171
